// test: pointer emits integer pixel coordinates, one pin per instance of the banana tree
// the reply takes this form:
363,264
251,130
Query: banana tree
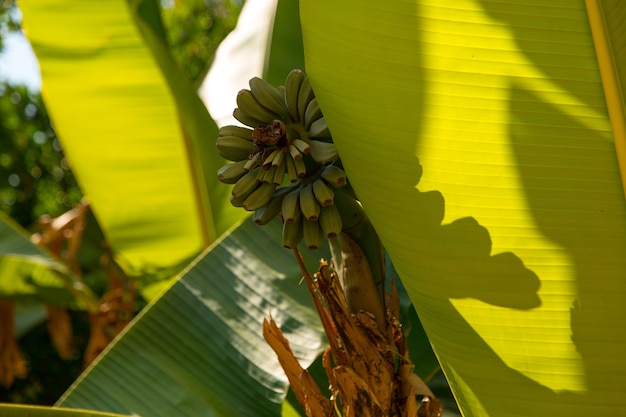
161,172
481,138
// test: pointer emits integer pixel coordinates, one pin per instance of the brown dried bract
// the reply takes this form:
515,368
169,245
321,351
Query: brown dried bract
270,134
370,373
11,363
305,389
115,311
60,329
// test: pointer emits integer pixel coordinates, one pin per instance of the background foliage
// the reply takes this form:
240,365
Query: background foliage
35,179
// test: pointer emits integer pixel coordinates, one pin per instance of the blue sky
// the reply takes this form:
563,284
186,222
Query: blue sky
18,64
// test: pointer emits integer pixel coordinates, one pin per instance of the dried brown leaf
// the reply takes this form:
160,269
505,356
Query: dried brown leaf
366,348
98,340
431,407
11,363
370,373
60,330
357,398
302,384
114,312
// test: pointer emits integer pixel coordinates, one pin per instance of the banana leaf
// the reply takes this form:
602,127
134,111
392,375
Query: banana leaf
181,388
138,138
26,411
197,350
27,272
481,139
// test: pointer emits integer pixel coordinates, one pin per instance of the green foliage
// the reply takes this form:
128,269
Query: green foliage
195,28
8,21
35,178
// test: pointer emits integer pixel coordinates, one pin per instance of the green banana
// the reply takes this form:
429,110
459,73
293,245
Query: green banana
268,212
246,185
313,236
291,170
267,162
305,95
231,173
334,176
232,130
292,233
323,193
330,221
252,108
323,151
261,173
259,197
290,207
312,113
246,119
252,162
280,172
235,201
308,204
268,177
294,152
234,148
278,158
292,88
268,96
319,129
302,146
300,167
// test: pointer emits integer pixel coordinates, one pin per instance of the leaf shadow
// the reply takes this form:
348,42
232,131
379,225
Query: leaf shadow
575,195
455,261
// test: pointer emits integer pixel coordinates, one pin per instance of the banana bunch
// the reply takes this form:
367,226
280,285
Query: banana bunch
284,161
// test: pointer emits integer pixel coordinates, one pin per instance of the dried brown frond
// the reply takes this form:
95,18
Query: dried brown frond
11,363
370,372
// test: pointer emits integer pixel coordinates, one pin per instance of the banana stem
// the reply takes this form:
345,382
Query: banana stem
357,225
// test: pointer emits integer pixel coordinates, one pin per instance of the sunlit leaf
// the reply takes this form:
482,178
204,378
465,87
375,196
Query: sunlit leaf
476,134
144,163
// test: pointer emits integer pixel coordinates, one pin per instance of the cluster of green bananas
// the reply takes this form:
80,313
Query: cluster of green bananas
284,163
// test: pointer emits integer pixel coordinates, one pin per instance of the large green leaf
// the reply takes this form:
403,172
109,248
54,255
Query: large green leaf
30,411
476,134
27,272
138,138
198,349
15,243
